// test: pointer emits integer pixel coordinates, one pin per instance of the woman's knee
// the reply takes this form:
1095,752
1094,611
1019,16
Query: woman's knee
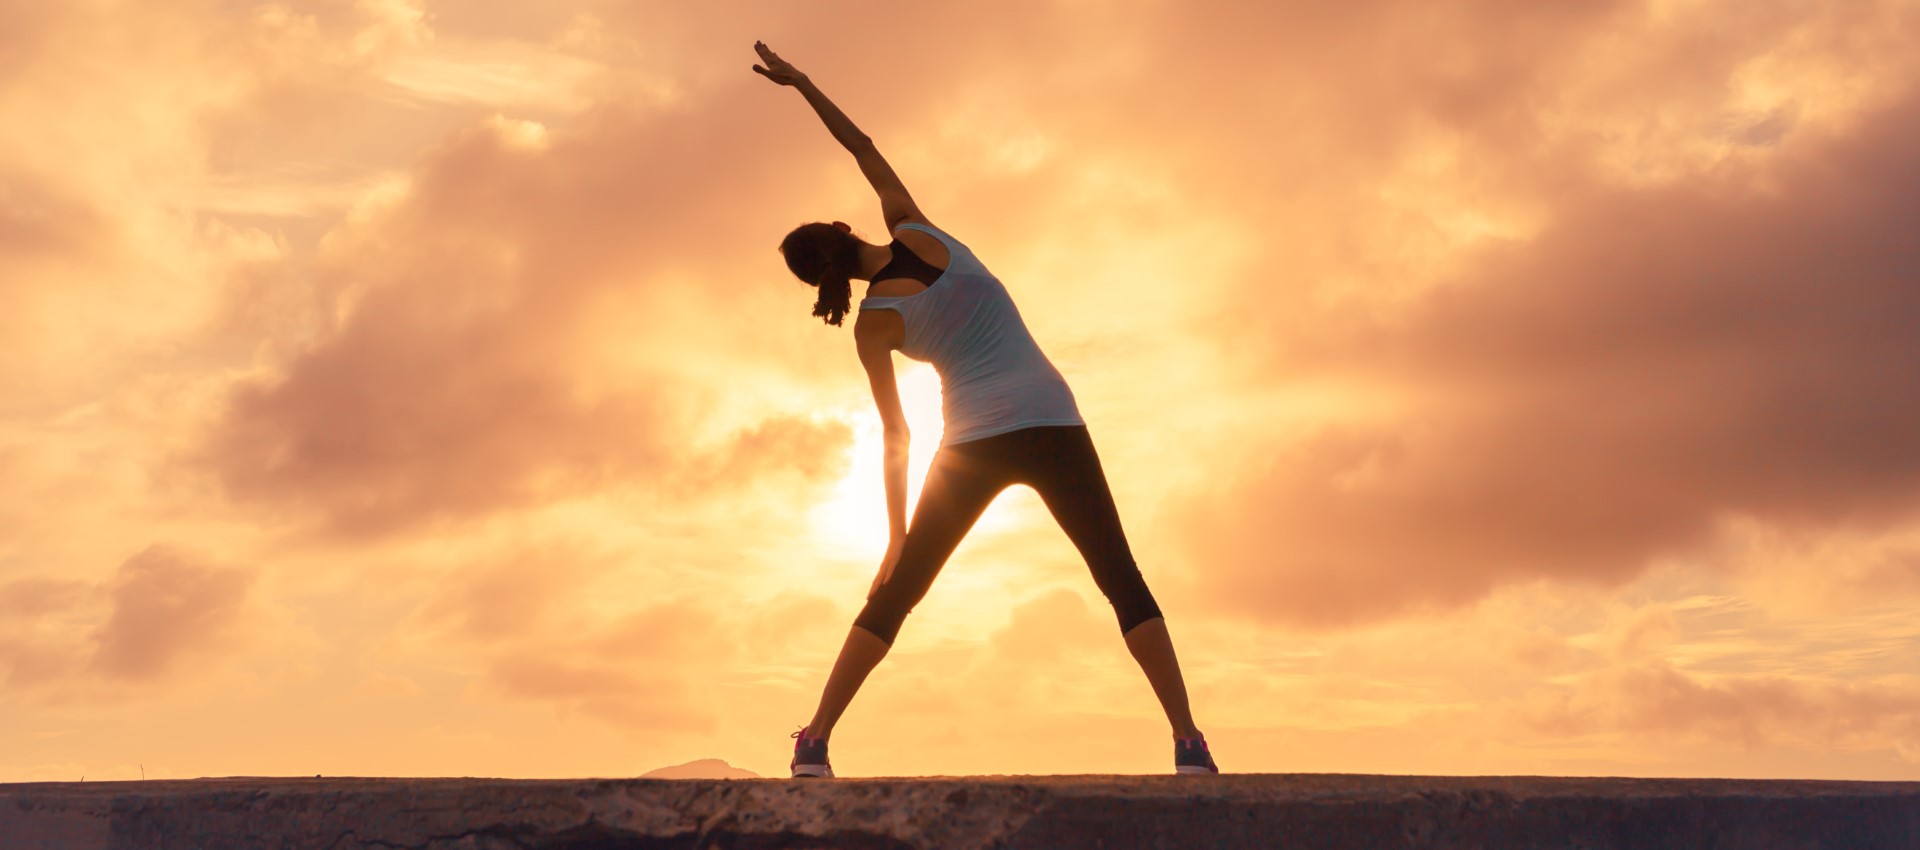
1134,610
1126,589
883,614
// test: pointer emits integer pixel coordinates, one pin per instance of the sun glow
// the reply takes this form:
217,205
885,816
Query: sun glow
856,515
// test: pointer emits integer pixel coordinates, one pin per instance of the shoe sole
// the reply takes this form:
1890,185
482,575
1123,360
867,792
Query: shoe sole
1194,769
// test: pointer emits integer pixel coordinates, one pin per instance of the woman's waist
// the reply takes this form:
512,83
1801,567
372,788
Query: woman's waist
1029,377
1007,398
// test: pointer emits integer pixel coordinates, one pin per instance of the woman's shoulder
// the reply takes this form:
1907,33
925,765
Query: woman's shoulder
920,223
928,241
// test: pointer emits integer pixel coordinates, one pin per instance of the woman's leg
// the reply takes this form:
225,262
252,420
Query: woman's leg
1064,469
1152,648
959,486
858,656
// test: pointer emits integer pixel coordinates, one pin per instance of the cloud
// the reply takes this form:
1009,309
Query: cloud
535,589
35,648
36,596
166,614
784,445
481,361
1821,571
168,608
387,686
609,635
497,74
1652,364
108,268
645,669
1656,699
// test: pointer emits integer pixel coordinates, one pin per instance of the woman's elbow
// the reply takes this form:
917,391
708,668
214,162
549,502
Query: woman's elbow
896,436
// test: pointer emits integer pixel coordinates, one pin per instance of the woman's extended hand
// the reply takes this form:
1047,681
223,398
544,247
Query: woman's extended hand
777,68
886,566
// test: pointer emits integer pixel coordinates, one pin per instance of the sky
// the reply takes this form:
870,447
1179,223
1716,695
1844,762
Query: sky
406,388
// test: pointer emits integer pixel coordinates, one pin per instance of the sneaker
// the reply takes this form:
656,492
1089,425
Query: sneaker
1190,755
810,756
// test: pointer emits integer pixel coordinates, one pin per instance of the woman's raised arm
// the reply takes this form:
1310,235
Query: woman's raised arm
896,205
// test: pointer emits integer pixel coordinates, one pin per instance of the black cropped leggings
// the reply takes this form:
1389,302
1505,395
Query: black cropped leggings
1059,463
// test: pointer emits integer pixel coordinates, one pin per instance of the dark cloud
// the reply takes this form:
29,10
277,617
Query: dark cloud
1653,362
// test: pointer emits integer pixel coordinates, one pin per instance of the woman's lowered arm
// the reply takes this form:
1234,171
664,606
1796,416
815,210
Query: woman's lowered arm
876,354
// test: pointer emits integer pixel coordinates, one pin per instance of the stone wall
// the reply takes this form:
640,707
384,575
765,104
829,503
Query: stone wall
1333,812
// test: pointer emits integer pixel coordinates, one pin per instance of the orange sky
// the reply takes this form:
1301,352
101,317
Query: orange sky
403,388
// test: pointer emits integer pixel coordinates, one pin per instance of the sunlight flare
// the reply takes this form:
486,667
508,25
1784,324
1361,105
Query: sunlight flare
854,519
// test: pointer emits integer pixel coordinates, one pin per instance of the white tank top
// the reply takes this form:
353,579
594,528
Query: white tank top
993,376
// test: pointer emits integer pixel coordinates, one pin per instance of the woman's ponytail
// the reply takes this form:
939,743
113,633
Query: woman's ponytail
825,257
836,296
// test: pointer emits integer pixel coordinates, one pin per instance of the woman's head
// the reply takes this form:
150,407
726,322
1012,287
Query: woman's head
825,256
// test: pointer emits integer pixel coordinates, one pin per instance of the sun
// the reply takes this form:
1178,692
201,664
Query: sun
854,517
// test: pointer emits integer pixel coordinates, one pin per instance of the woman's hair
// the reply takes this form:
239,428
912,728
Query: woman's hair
825,257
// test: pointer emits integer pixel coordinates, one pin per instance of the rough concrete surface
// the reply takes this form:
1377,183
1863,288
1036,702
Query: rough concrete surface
1233,811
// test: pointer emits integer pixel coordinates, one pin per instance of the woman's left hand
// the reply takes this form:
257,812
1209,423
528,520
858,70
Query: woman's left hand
887,564
777,68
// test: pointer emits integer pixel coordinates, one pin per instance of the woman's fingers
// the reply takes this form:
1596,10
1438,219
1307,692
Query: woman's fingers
772,59
776,69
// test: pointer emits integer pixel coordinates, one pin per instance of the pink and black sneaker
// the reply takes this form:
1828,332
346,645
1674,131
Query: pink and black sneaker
1190,755
810,756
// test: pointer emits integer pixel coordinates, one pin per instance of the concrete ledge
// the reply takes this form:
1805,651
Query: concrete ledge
1334,812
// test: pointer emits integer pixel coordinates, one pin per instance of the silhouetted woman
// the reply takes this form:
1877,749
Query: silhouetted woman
1010,419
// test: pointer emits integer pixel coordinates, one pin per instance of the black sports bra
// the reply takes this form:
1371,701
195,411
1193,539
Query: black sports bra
906,263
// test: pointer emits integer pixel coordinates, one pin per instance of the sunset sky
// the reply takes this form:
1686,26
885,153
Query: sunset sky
411,388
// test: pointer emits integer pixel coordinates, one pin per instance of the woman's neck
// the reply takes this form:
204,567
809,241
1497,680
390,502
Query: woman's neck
873,258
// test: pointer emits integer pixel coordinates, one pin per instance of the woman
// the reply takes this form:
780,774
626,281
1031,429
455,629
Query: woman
1010,419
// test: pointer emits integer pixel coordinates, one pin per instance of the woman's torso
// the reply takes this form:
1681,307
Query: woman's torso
993,376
